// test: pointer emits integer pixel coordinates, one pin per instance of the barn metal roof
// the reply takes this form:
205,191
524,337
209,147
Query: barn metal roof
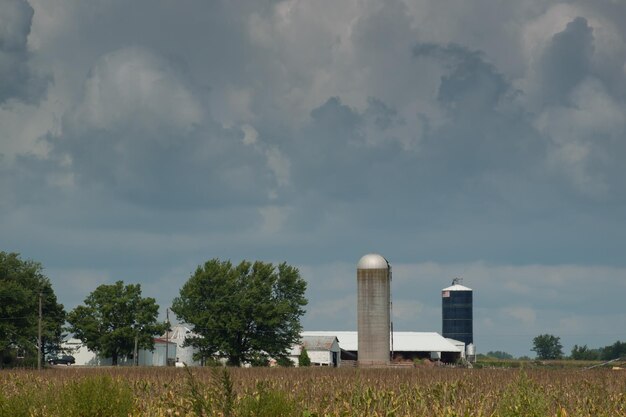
402,341
312,343
179,332
318,342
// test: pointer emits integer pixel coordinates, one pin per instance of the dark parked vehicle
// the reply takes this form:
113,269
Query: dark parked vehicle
62,360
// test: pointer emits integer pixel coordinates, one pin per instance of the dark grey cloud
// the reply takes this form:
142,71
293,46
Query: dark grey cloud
141,133
488,134
579,109
18,80
472,85
346,154
566,61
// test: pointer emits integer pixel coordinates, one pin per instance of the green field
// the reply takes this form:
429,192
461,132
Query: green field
312,392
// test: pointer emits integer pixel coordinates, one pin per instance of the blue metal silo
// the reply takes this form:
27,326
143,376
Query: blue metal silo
457,312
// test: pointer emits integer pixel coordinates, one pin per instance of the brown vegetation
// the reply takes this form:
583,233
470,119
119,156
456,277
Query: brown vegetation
313,392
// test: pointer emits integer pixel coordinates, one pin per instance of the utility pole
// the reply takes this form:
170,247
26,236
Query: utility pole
167,336
39,335
136,359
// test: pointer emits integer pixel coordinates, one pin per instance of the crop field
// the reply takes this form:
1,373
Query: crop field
312,392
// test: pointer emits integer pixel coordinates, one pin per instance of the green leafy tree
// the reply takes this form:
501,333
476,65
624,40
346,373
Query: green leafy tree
21,284
615,351
547,346
303,359
284,362
113,317
584,353
242,311
260,360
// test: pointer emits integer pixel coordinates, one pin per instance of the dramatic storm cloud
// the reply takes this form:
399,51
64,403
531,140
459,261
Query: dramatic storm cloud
141,133
17,79
457,138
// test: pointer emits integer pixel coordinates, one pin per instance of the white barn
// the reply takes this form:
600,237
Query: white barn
406,346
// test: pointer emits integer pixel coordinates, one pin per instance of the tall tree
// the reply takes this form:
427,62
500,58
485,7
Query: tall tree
303,358
22,282
547,346
113,317
242,311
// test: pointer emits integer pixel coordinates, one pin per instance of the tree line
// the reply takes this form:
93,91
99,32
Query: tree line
615,351
548,347
247,312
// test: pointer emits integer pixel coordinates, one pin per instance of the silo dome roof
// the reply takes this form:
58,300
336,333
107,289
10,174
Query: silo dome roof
372,261
457,287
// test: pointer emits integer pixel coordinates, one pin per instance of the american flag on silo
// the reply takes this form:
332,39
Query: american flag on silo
445,294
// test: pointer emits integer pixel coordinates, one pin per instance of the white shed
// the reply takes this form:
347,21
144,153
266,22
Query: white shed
322,350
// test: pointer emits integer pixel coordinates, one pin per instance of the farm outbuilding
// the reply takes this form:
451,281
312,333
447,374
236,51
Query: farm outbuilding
184,354
86,357
80,352
461,345
322,350
407,346
157,357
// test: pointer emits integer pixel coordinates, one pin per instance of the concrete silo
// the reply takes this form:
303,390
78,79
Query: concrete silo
457,312
373,276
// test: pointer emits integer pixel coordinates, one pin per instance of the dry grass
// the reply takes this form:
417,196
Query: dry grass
316,392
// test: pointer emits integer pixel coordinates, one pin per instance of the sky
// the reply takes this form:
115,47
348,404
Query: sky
458,138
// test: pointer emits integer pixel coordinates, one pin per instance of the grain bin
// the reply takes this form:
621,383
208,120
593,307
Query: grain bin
373,309
457,312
